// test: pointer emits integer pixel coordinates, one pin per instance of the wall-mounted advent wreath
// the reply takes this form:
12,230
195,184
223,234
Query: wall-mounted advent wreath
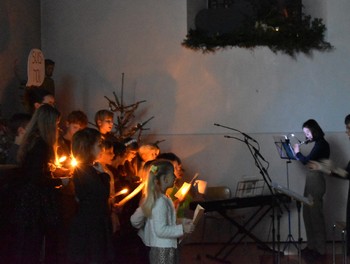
278,24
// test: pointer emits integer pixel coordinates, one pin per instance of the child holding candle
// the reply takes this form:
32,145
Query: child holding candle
102,164
90,233
156,217
76,120
182,207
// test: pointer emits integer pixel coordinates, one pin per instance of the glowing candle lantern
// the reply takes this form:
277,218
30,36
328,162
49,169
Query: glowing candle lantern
182,192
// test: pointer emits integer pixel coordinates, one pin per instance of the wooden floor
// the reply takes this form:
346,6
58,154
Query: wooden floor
249,253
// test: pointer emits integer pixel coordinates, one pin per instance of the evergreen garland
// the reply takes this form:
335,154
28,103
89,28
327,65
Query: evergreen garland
286,36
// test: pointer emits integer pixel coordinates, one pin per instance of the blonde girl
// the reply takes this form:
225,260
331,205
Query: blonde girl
156,217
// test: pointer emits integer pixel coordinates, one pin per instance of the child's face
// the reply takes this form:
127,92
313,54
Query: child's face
106,125
72,128
178,170
106,156
130,155
150,155
169,179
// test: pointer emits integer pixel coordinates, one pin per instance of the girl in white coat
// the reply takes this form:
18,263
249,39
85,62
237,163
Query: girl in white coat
156,217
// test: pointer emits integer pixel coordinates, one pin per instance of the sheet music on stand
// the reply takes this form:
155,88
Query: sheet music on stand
284,147
250,188
282,189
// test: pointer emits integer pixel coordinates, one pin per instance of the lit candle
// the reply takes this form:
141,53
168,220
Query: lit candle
74,162
124,191
131,195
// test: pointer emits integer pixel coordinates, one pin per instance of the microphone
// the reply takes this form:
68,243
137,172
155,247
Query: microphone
244,134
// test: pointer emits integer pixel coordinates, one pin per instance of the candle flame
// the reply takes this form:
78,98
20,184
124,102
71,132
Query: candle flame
62,159
74,162
124,191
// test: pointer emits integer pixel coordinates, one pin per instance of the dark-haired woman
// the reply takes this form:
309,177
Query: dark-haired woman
315,186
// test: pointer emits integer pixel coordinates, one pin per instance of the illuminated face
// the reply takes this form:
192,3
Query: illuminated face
308,133
130,155
178,170
347,127
150,155
106,156
106,125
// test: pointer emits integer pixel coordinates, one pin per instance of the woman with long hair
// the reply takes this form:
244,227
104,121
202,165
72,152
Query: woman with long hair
35,213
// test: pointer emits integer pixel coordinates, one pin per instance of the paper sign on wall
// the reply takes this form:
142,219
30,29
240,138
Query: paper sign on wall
35,68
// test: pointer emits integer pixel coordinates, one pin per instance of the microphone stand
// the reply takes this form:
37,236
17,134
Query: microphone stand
254,152
257,158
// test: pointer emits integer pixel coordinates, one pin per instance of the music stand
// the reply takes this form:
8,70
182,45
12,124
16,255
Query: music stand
286,151
284,148
299,200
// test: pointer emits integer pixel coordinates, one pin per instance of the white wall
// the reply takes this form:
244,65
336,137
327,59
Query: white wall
255,91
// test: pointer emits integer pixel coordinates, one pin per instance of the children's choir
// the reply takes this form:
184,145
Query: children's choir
66,213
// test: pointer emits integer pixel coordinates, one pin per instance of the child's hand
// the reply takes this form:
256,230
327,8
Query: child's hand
117,208
65,181
61,172
176,202
187,225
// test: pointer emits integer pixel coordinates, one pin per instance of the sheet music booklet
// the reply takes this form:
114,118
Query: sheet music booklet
198,213
284,147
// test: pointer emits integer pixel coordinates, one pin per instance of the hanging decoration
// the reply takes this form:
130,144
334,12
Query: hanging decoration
286,36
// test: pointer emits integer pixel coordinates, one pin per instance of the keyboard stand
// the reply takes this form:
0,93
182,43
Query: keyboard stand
243,231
